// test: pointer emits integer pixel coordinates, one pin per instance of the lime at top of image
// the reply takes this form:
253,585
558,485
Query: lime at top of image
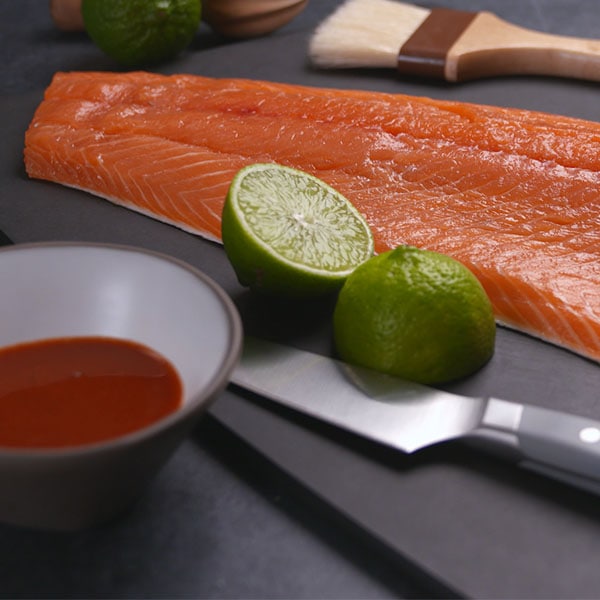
141,32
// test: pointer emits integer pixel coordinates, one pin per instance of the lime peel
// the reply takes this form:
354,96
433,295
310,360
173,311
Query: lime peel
416,314
141,32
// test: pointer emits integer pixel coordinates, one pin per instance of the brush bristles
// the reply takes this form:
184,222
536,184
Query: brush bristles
365,33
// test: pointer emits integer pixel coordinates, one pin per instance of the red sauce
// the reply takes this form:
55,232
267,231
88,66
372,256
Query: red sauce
71,391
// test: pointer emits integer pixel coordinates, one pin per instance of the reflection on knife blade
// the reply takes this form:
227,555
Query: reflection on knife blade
409,416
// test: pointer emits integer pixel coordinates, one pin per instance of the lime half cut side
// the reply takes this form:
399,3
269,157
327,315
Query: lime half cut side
287,232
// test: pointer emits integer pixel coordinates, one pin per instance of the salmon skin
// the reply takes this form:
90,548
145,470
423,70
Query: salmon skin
512,194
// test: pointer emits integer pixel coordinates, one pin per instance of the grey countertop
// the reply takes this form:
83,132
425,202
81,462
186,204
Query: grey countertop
258,504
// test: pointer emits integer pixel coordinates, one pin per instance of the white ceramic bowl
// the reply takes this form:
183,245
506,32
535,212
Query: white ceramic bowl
72,289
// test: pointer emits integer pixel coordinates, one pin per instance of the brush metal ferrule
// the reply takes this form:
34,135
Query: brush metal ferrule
424,53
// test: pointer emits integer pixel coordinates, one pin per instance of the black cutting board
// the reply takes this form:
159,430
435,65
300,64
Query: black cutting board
475,523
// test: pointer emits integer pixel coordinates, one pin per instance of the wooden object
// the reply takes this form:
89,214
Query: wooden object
446,44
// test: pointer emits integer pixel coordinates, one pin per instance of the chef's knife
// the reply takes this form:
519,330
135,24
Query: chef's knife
409,416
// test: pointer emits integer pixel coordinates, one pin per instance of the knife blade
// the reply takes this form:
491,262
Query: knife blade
409,417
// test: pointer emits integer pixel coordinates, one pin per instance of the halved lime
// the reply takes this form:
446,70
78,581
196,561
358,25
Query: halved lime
287,232
415,314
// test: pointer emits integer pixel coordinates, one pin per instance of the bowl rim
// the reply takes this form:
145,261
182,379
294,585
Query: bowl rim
216,383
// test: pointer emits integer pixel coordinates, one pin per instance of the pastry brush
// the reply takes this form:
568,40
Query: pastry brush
446,44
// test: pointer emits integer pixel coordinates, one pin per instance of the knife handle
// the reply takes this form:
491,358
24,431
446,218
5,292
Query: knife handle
560,445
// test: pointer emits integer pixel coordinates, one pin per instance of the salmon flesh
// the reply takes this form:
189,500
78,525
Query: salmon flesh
512,194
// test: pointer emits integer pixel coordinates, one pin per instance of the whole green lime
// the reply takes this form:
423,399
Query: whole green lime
288,233
141,32
415,314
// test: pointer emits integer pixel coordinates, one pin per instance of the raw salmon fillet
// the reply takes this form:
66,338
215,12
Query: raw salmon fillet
513,194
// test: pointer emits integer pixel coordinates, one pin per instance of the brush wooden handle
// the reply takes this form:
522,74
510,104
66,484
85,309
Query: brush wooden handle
491,46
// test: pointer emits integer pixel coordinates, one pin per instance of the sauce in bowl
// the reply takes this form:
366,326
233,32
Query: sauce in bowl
63,392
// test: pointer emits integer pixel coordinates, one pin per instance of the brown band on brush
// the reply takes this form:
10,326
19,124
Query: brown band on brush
424,53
